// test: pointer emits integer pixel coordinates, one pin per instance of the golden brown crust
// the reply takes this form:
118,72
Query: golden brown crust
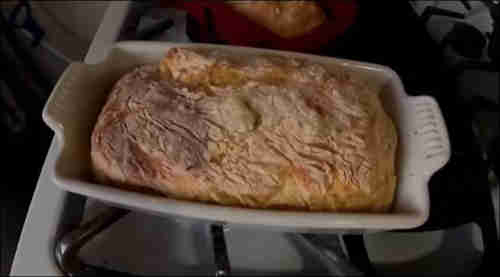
260,132
287,19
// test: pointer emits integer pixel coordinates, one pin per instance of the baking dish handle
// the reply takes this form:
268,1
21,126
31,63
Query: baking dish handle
78,84
430,132
57,108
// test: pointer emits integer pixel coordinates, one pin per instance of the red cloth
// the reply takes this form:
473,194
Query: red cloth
236,29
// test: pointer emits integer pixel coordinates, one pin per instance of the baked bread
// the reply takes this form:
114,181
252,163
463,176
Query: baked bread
287,19
251,131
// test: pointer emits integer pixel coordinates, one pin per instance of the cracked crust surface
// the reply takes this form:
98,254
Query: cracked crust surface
253,131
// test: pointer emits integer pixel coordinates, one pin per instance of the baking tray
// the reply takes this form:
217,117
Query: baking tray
77,98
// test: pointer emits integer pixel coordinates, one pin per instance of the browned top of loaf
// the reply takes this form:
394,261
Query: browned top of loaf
253,131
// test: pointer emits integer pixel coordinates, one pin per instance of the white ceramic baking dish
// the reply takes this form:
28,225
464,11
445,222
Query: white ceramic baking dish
423,146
